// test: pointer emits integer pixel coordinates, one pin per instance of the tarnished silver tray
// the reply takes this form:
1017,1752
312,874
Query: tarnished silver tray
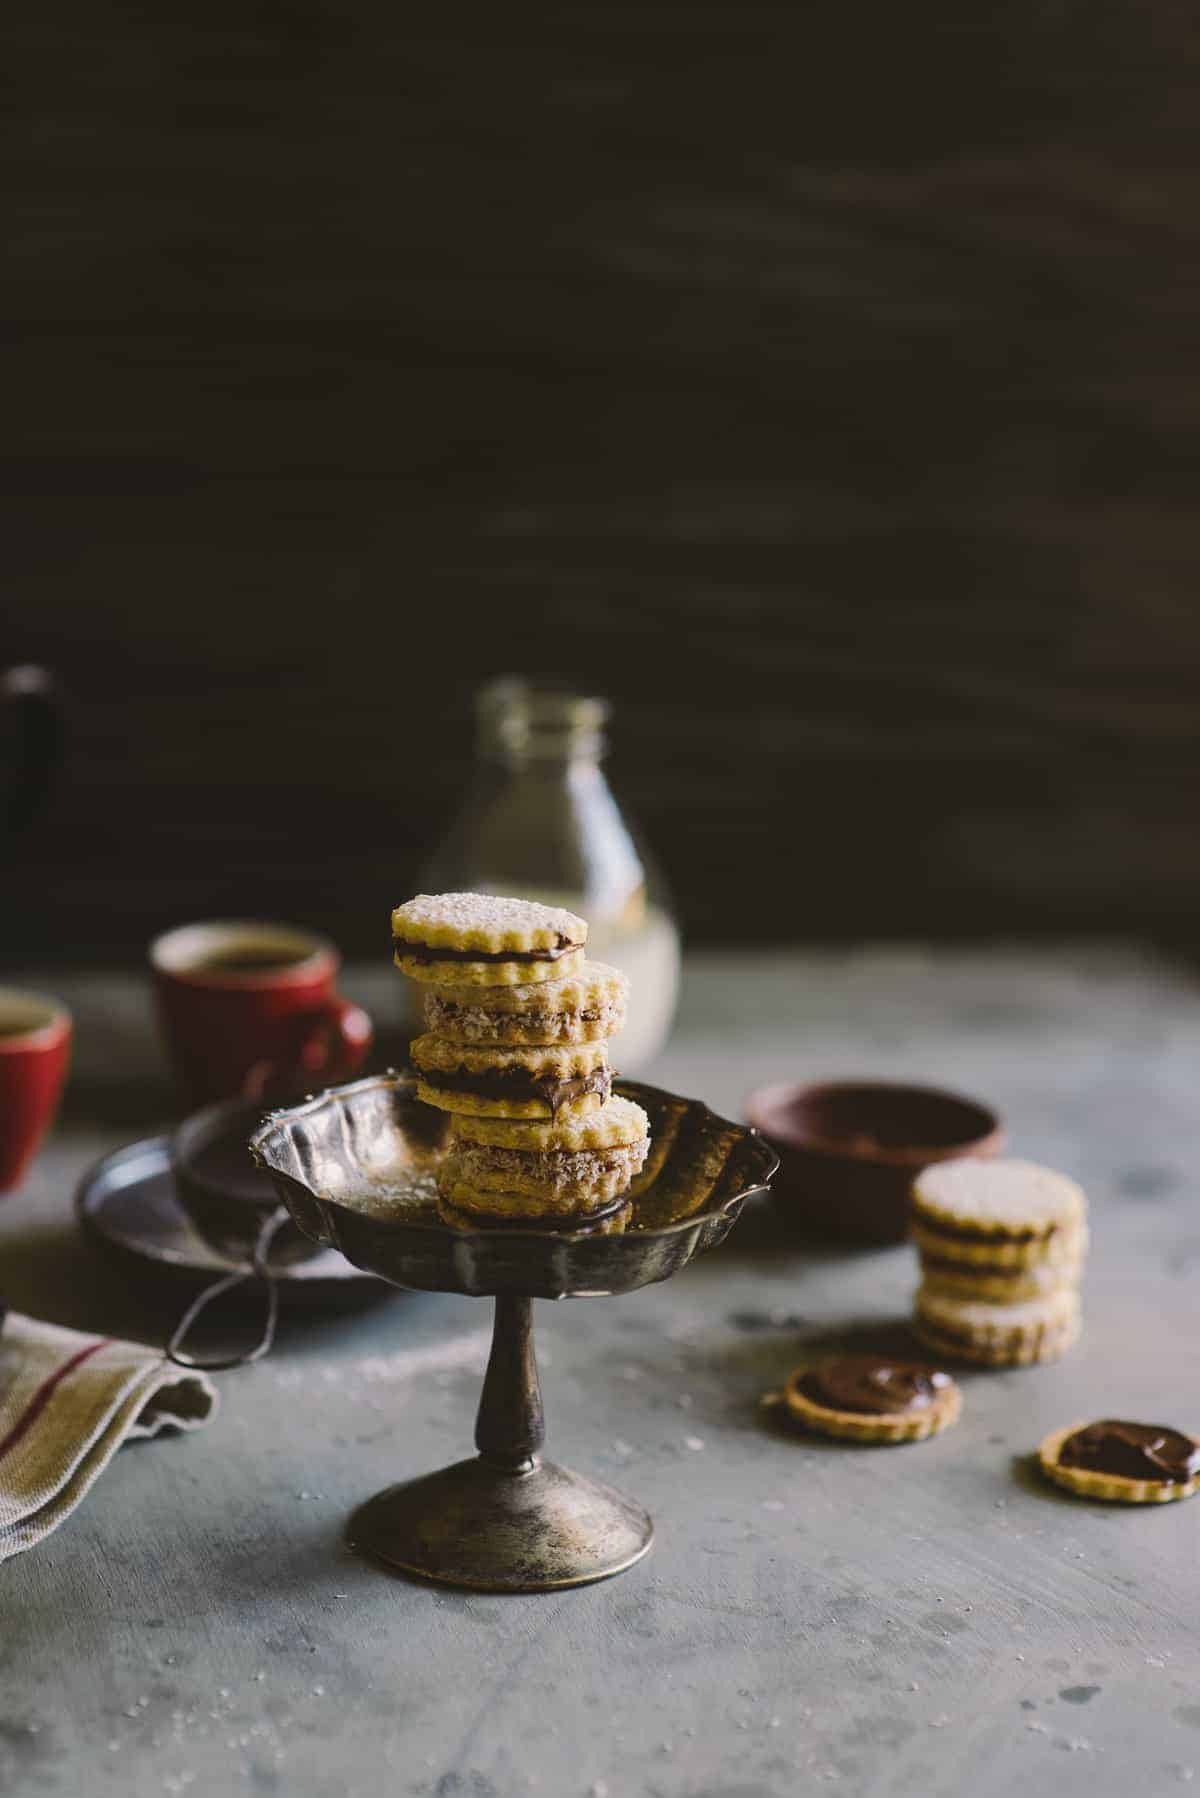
356,1166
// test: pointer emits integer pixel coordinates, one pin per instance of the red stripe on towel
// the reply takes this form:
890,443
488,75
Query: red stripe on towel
44,1393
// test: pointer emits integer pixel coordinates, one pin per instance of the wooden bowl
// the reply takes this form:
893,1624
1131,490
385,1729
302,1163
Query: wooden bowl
850,1150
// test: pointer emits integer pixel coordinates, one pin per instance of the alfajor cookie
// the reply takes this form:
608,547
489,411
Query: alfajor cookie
511,1083
998,1285
585,1007
485,1176
479,939
576,1166
998,1335
997,1213
1125,1463
873,1398
618,1123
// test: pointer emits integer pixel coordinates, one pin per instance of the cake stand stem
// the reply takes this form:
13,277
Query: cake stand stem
505,1521
510,1427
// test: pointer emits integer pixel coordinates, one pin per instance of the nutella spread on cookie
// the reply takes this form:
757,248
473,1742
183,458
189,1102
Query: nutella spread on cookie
873,1385
1132,1451
427,955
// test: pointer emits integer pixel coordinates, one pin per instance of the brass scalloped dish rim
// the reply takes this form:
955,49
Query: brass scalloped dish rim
393,1078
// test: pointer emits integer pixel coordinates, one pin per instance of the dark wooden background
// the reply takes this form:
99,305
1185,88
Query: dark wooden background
820,382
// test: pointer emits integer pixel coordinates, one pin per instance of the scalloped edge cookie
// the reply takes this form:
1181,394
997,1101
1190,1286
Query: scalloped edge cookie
1027,1352
880,1428
447,1073
485,921
1006,1201
514,1111
488,973
987,1324
433,1055
998,1285
562,1179
1115,1488
585,1007
619,1123
1059,1249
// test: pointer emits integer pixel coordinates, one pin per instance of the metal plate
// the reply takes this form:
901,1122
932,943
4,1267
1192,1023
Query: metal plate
126,1202
356,1168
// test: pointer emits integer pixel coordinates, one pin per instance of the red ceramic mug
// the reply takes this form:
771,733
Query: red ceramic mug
35,1048
251,1011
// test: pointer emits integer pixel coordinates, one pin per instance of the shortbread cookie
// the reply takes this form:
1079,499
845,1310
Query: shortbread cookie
511,1083
586,1007
477,939
1126,1463
616,1125
997,1213
998,1335
612,1221
871,1398
1061,1249
1050,1347
547,1180
998,1285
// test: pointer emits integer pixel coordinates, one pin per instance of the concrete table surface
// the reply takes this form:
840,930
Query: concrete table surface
929,1619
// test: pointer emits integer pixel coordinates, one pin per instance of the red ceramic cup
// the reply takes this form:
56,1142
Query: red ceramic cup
35,1048
251,1011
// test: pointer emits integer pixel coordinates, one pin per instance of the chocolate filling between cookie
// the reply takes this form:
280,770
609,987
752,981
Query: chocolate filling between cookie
428,955
972,1233
1133,1451
518,1084
874,1387
933,1264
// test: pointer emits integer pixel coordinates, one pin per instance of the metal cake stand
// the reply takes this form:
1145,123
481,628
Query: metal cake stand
355,1167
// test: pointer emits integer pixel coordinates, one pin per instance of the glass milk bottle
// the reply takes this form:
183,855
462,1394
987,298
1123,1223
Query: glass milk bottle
540,822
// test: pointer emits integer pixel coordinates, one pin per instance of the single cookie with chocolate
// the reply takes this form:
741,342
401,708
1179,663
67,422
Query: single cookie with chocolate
585,1007
873,1398
1126,1463
997,1213
511,1083
479,939
487,1177
998,1335
611,1221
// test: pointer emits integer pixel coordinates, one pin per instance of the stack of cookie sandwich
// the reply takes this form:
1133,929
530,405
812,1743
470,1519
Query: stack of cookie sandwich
1001,1245
516,1051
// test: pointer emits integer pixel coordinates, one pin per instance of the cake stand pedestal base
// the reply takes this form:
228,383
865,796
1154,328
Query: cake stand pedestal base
476,1525
505,1521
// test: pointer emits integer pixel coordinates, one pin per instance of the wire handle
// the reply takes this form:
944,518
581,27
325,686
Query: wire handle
260,1269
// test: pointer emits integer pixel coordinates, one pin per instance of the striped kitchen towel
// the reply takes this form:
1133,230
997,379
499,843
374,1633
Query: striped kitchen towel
67,1403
